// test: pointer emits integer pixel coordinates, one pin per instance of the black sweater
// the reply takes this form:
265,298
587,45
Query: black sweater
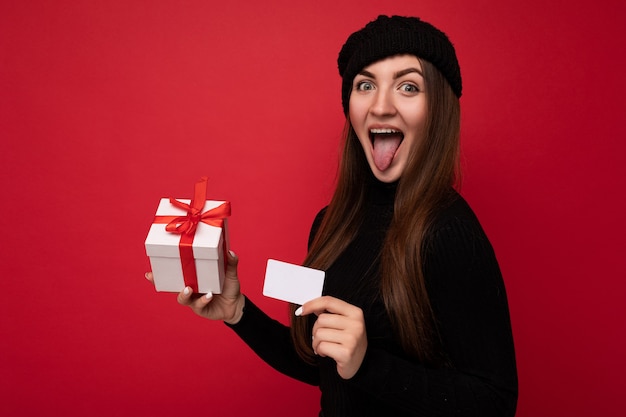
469,301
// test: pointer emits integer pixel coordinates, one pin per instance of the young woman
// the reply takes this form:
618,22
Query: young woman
414,319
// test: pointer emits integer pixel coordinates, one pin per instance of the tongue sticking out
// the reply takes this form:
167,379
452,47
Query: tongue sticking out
385,147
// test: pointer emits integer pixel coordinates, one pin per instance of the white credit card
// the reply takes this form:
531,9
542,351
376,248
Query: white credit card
293,283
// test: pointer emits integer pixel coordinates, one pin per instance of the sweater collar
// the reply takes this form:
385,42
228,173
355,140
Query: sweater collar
380,193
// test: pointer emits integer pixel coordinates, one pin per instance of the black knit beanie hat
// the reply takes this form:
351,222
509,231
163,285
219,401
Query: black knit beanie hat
387,36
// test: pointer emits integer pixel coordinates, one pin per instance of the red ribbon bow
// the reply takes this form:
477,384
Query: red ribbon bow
186,226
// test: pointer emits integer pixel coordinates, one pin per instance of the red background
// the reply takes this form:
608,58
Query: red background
105,107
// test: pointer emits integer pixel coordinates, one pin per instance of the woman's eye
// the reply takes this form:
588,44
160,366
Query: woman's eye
409,88
364,86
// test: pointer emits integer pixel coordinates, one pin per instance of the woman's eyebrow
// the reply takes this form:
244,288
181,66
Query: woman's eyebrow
367,74
407,71
396,75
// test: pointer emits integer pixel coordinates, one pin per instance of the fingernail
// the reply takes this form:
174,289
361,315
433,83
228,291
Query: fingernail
209,295
231,253
146,275
298,312
187,290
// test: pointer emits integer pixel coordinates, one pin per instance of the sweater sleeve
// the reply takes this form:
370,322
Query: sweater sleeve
469,301
271,341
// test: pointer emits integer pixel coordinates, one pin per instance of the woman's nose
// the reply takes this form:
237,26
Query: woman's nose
383,104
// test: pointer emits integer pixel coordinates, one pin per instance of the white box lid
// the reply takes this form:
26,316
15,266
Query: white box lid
207,241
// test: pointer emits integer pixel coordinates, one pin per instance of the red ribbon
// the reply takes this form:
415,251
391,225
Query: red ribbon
186,226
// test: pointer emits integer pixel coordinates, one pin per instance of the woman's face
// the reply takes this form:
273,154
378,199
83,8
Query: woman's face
388,112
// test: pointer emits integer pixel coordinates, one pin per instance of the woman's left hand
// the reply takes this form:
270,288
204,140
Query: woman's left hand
339,333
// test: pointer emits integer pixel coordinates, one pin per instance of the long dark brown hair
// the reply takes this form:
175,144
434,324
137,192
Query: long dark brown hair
431,172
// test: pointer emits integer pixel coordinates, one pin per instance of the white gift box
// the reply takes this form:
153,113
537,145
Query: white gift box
162,247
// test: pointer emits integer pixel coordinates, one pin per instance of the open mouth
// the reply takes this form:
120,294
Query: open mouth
386,142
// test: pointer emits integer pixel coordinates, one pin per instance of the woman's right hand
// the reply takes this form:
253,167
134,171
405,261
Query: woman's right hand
227,306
